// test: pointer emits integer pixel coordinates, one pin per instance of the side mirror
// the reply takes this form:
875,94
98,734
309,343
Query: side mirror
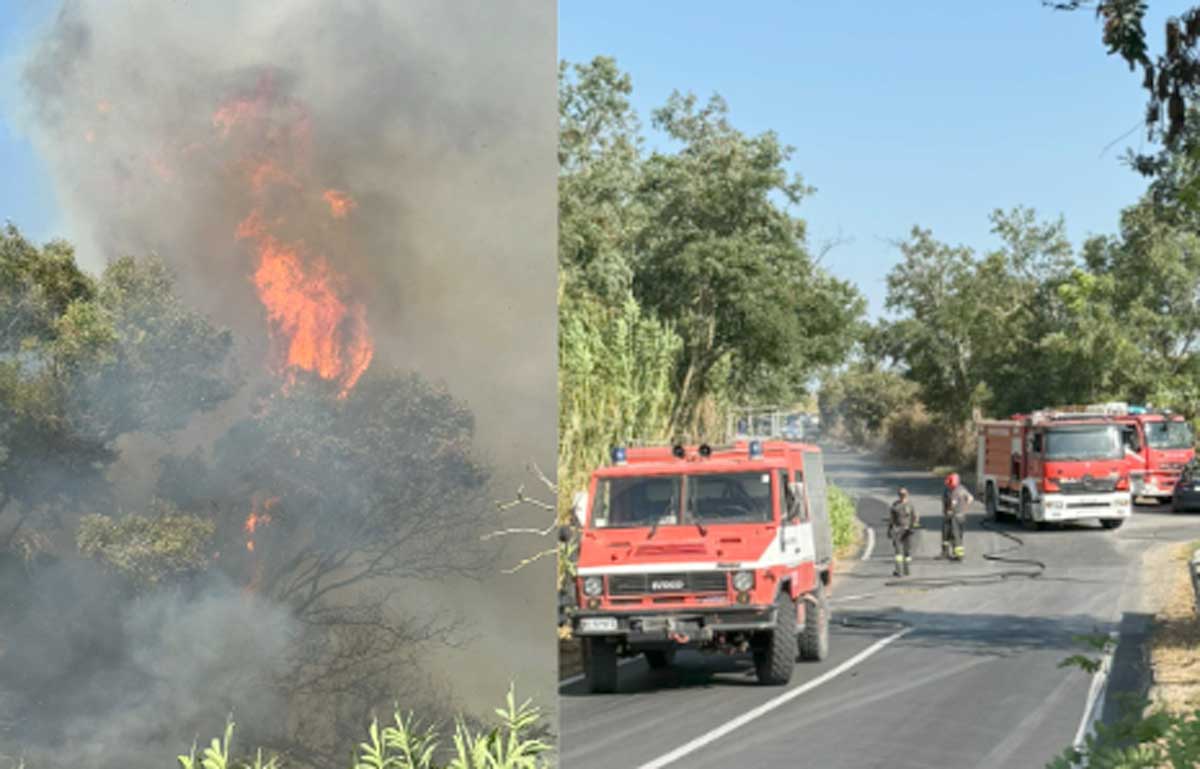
579,508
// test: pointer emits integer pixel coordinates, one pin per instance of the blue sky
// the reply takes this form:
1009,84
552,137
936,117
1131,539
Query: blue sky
930,113
902,113
26,191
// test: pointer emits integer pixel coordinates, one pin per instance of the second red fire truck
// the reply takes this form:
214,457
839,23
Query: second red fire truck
1054,467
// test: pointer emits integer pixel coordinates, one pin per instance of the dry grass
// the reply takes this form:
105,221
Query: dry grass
1175,643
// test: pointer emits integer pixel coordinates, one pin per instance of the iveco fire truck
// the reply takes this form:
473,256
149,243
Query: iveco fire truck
724,550
1053,467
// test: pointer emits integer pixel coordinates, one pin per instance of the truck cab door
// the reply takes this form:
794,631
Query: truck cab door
1033,454
792,516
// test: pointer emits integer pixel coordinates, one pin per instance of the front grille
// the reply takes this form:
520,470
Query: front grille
1087,485
679,582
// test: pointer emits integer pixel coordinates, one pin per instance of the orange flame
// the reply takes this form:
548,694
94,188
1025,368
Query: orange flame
236,113
339,203
313,322
259,516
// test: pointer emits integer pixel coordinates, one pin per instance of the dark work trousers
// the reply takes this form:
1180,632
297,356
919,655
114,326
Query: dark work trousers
952,536
902,544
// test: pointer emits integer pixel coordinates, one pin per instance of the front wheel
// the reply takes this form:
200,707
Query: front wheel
600,660
814,638
1027,521
1112,523
775,659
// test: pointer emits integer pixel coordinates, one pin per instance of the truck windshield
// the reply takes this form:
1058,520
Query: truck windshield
729,497
1169,435
655,500
633,502
1100,442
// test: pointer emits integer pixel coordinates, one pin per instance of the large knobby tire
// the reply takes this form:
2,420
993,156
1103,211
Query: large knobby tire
814,638
775,659
1112,523
600,661
658,659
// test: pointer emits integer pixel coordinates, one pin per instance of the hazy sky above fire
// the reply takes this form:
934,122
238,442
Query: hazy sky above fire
902,113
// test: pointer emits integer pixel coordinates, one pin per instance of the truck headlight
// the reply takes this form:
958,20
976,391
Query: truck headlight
743,581
593,586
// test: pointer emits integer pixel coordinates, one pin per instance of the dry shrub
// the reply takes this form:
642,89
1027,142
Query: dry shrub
912,433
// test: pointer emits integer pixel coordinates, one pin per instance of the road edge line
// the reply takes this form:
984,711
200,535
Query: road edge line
769,705
1091,713
866,556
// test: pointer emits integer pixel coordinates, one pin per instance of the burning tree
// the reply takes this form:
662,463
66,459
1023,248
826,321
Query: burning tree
333,503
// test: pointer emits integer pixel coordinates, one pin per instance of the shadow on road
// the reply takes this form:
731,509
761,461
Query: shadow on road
1000,635
696,670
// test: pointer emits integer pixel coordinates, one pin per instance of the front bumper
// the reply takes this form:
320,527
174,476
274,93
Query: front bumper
651,627
1153,487
1076,507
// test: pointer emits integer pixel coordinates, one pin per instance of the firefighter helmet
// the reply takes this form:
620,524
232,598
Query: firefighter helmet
952,481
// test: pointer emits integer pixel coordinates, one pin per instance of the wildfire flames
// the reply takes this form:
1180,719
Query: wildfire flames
314,324
260,515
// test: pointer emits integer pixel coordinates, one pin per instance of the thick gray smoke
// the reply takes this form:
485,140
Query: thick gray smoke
134,679
167,124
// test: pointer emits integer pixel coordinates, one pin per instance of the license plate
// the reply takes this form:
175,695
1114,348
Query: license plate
597,624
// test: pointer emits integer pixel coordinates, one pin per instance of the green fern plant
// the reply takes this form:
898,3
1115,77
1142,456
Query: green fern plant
408,744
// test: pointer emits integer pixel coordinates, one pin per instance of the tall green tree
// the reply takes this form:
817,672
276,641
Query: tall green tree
84,361
723,259
978,332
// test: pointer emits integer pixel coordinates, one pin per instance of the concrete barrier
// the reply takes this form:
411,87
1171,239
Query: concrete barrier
1194,567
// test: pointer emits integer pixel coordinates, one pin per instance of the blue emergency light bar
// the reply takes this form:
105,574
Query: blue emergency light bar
1138,410
756,450
618,455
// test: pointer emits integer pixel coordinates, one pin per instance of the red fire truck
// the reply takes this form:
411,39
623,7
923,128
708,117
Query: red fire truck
1158,446
1053,467
716,549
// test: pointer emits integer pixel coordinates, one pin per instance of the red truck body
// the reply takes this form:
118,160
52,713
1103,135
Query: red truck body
1054,467
721,550
1159,447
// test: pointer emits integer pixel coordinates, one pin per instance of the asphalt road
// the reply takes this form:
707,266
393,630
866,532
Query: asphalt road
956,666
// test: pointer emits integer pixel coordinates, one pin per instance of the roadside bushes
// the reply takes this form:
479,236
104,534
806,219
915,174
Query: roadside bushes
405,743
841,518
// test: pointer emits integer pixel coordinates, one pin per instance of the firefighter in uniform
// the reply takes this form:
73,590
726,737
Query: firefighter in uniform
955,501
901,522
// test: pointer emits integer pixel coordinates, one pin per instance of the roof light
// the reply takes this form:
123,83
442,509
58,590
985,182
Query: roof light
618,455
756,450
705,450
678,451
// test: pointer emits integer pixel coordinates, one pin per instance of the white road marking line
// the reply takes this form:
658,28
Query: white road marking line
770,705
866,556
580,676
1091,713
843,598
